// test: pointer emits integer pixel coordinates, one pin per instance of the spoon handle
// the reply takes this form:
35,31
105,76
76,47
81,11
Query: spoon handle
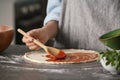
34,40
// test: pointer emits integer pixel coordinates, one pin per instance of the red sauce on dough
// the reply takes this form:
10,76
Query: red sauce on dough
60,55
76,57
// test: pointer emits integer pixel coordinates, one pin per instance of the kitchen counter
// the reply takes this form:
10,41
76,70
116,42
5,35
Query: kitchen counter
14,67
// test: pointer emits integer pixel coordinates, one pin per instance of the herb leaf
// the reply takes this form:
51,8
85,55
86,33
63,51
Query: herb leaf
112,57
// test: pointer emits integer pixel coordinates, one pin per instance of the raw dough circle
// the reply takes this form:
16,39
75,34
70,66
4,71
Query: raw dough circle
73,56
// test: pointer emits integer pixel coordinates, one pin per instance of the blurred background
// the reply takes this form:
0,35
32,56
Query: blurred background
24,14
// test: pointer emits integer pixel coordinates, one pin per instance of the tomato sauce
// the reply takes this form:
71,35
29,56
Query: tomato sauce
75,57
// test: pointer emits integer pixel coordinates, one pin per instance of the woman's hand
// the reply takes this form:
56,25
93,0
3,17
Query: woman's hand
41,34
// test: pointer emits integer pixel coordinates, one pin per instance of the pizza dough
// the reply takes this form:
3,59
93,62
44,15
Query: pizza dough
73,56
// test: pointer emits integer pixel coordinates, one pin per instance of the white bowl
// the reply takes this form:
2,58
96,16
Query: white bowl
109,67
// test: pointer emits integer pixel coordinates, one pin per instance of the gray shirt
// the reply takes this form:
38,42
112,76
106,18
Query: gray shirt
84,21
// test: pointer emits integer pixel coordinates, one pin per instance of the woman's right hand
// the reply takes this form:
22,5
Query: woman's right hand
40,34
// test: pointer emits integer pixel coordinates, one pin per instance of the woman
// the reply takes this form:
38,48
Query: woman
77,23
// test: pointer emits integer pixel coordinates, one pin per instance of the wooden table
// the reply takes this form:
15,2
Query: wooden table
14,67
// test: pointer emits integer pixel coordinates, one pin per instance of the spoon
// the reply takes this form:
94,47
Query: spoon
53,53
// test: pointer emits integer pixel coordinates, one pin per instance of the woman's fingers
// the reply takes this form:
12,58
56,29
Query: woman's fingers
35,47
29,42
37,34
27,39
31,45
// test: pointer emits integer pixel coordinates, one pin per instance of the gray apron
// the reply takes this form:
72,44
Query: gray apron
84,21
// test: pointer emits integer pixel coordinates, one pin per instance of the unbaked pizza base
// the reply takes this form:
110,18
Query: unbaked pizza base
40,56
